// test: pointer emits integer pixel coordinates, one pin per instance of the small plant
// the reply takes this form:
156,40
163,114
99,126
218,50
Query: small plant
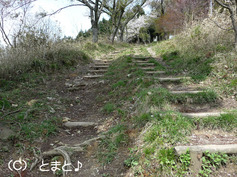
167,159
109,108
109,145
210,161
185,160
133,159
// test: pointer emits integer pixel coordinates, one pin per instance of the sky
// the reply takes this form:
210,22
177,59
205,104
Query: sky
71,20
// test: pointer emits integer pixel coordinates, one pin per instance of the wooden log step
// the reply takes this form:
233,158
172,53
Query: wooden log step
227,149
93,76
203,114
146,64
147,68
141,58
101,64
79,124
99,67
97,71
186,92
140,61
171,79
102,61
155,72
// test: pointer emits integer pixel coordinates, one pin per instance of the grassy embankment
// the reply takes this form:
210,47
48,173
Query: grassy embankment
143,106
29,81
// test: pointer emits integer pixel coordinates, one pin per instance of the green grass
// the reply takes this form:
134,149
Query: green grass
169,128
226,122
109,108
29,121
160,96
108,146
32,131
198,67
211,162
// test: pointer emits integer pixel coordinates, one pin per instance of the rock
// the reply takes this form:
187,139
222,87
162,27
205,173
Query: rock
6,133
31,102
66,119
101,82
68,85
15,105
50,98
52,110
5,149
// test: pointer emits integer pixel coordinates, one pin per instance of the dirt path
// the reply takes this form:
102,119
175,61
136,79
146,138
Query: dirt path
82,94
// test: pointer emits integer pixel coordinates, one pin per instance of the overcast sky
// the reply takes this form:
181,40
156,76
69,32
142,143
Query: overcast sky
71,20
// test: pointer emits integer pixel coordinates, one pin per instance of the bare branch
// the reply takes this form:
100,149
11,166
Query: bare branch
221,27
222,4
59,10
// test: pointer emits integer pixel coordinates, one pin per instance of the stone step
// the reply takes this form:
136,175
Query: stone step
154,72
203,114
171,79
79,124
186,92
146,64
227,149
93,76
97,71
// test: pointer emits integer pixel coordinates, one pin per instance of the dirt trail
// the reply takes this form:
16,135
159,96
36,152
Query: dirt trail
83,93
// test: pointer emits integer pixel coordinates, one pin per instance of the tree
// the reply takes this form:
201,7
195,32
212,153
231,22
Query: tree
231,6
181,12
129,15
117,9
14,13
96,9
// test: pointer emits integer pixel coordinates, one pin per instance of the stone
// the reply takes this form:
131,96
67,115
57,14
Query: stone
6,133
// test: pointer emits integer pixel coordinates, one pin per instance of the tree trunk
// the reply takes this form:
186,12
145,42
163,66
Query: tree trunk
233,20
95,34
122,34
117,26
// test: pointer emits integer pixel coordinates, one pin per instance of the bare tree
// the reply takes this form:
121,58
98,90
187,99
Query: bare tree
14,13
117,9
231,6
96,9
129,15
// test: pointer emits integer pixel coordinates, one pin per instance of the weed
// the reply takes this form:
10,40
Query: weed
109,145
185,160
210,161
167,159
142,119
120,83
169,128
34,130
226,122
109,108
